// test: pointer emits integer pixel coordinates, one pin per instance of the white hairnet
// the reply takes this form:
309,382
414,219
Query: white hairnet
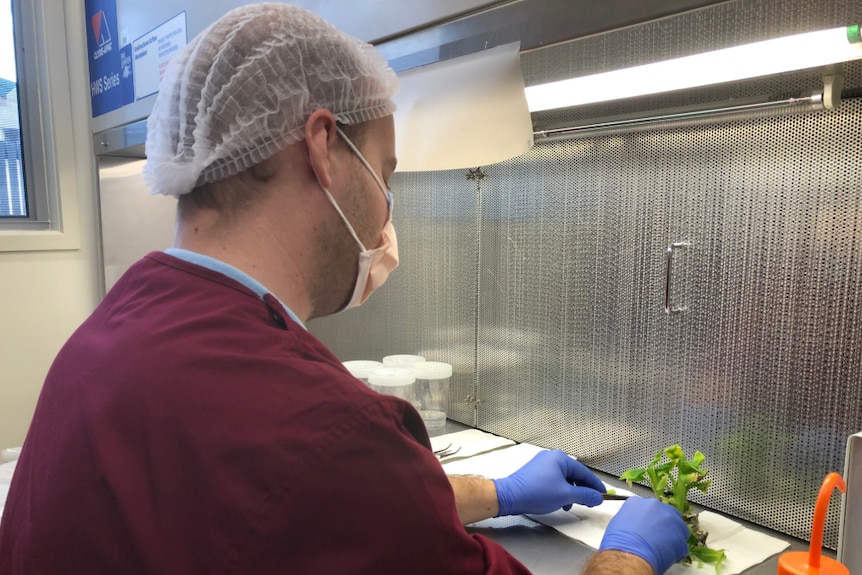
243,89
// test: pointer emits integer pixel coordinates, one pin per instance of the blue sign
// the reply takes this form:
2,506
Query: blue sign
103,52
127,74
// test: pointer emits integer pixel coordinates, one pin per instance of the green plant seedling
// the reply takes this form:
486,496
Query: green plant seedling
671,481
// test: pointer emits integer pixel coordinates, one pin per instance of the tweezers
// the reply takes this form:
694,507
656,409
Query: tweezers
614,497
447,451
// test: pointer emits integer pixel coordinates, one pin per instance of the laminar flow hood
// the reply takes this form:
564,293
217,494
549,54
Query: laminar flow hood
544,279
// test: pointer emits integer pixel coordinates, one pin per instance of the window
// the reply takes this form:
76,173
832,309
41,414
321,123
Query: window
44,125
13,197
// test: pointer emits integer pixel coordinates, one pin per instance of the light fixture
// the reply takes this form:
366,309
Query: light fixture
785,54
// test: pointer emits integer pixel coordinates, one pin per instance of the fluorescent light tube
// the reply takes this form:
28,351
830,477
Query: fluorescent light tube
738,63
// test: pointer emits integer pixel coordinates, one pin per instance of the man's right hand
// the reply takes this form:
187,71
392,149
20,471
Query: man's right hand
648,529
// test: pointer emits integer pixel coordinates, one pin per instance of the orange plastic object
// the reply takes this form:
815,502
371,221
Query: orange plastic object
811,563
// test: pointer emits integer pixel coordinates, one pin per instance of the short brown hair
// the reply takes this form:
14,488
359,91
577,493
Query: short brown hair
229,197
232,196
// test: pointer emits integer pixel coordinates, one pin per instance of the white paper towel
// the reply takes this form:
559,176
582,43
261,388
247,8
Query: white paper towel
744,547
494,464
463,112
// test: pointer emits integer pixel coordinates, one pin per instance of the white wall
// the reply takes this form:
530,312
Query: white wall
45,295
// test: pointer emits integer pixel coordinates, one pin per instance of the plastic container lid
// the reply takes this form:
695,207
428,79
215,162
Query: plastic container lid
360,368
11,454
391,376
432,370
402,360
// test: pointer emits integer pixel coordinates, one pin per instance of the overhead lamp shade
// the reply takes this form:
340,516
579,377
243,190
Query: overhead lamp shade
463,113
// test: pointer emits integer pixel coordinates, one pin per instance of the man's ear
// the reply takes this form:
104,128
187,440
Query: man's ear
320,136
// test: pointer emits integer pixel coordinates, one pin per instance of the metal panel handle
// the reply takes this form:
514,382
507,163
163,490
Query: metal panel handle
668,275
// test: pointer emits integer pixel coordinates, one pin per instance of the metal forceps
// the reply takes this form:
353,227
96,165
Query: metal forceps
447,451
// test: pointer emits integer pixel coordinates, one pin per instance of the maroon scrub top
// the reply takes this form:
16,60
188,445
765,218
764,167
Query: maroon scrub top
189,426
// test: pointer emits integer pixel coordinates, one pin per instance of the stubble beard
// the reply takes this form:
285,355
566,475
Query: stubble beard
338,255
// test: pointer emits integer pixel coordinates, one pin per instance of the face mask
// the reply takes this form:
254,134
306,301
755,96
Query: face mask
374,265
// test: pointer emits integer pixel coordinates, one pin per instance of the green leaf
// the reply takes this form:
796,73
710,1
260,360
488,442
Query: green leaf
672,479
636,474
674,452
707,555
658,483
687,467
703,485
653,477
680,490
692,538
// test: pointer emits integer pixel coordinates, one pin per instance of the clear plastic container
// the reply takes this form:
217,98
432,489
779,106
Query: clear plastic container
360,368
10,454
402,360
397,381
432,392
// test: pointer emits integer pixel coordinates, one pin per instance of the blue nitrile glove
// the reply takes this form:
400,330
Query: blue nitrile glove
545,484
649,529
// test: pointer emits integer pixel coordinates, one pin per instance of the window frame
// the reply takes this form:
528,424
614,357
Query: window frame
47,132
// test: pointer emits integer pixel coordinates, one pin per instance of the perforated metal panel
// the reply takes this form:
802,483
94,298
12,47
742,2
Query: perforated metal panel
551,280
762,373
428,305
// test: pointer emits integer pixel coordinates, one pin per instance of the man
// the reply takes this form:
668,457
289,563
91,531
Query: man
192,424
